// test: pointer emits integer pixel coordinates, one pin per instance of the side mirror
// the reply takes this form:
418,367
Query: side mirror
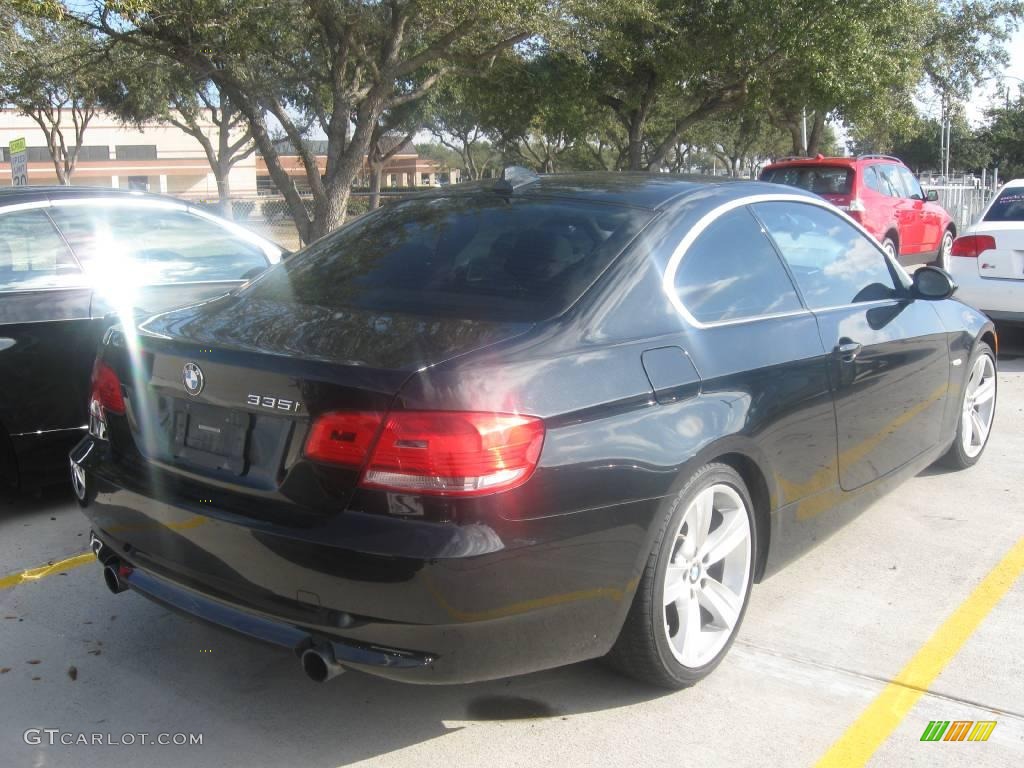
932,284
931,196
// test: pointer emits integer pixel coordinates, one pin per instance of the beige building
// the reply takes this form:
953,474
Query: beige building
162,158
158,158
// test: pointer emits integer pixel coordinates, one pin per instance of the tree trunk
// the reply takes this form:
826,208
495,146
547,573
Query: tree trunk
817,133
796,138
635,152
220,173
376,172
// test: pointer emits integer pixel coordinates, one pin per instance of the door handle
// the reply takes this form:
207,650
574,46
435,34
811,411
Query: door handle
848,350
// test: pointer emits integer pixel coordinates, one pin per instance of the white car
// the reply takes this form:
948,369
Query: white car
987,261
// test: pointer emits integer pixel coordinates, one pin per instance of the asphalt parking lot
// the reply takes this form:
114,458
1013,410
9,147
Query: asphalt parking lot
910,614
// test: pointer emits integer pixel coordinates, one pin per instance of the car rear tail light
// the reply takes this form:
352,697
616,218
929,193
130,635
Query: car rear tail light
106,388
343,437
447,453
972,246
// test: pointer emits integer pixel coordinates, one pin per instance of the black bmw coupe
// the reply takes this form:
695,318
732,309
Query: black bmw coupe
513,425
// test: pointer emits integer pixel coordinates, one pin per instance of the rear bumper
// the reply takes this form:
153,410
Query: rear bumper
545,593
999,298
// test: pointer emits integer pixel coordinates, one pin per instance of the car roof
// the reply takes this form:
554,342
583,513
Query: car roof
31,194
1014,183
651,191
849,162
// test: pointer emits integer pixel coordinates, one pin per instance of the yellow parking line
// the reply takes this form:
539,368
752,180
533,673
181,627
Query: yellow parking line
34,574
856,746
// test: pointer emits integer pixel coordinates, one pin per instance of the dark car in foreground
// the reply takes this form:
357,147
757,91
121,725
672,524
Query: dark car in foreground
509,426
72,261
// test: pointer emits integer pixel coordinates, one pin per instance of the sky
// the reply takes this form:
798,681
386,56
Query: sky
1015,69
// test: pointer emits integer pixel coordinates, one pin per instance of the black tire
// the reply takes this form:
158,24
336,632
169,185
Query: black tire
945,246
642,649
889,246
956,457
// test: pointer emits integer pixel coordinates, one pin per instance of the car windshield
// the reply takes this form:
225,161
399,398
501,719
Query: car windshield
1009,206
485,257
819,179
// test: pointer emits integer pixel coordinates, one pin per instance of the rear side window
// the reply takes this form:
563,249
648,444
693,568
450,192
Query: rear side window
910,183
893,180
732,272
32,254
484,257
833,263
156,244
1009,206
877,182
819,179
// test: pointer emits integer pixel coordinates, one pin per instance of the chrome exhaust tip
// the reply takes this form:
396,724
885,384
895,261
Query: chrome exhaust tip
112,577
319,663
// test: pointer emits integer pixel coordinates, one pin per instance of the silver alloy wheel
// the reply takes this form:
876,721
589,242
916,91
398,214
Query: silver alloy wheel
979,406
889,247
708,575
78,480
945,249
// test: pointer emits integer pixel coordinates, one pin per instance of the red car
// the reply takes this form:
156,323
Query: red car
882,194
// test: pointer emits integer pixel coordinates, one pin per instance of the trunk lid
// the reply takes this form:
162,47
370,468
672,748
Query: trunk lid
1006,261
221,395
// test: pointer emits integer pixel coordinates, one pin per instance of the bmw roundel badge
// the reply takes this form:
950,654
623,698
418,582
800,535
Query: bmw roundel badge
192,378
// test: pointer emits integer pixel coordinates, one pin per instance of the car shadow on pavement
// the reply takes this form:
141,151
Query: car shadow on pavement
139,667
30,502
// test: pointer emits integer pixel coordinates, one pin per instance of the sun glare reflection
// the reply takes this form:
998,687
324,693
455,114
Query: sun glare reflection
117,279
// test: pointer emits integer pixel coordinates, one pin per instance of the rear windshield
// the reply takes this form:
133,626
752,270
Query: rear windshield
1009,206
819,179
482,258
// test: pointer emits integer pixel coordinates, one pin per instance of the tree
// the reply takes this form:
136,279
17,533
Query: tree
642,58
741,140
455,116
952,46
144,89
536,114
1004,137
392,132
51,74
338,65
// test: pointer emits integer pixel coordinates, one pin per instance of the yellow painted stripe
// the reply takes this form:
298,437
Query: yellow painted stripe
34,574
856,746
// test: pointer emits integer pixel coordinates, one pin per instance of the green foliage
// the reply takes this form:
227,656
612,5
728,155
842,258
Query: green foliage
52,71
1003,137
338,67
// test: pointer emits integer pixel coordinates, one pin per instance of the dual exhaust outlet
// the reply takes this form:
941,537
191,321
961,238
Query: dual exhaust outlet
318,661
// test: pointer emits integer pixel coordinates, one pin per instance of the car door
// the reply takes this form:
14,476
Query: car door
929,215
908,210
147,256
890,361
47,337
